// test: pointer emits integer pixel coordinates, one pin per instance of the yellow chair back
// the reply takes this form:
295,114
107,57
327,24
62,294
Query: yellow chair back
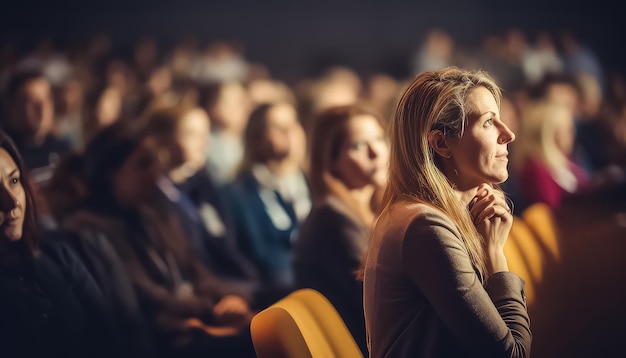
302,324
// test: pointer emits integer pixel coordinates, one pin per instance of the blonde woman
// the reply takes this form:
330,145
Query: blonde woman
436,280
349,161
543,157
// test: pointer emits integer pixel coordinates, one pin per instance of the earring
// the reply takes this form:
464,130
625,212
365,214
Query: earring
456,172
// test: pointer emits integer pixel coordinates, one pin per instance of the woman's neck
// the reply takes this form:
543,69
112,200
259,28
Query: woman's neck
467,195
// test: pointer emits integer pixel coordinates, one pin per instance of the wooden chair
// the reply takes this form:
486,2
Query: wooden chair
302,324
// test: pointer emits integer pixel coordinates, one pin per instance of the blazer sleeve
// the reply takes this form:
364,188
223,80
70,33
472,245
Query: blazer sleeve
489,320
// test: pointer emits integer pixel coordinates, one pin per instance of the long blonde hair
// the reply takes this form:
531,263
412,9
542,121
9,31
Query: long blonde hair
540,123
327,137
435,100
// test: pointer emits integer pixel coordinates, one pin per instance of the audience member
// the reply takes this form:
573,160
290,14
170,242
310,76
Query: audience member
29,121
175,290
228,105
270,196
181,135
51,305
436,279
543,155
348,171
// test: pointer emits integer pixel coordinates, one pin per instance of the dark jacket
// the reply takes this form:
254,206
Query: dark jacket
157,258
50,306
423,297
215,227
108,270
266,225
327,255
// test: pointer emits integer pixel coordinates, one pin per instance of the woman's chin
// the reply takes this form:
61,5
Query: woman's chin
13,236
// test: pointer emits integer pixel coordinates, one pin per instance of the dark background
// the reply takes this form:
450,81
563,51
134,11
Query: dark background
293,38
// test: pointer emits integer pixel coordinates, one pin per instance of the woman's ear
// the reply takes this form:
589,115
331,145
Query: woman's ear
437,141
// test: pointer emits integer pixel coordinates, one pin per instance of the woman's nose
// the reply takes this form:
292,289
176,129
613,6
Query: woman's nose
372,151
506,135
8,201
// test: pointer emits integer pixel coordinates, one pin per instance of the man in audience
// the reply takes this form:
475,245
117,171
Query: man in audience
29,120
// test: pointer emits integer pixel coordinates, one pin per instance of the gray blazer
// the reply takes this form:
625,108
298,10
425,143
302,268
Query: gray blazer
424,298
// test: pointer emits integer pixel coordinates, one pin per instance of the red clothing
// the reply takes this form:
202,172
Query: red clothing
538,185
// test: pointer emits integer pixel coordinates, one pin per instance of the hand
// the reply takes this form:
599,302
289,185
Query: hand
493,220
232,310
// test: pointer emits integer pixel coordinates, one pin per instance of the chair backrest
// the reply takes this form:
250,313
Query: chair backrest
525,256
540,218
302,324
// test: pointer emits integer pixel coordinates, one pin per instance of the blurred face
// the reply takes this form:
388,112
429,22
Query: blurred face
283,130
481,155
564,94
232,108
565,132
135,181
12,199
364,155
109,107
33,110
333,94
193,137
73,95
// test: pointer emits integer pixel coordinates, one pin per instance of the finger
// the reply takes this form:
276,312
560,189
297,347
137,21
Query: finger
492,211
481,204
494,198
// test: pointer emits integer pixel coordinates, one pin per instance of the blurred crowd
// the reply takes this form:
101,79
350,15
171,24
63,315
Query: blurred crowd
185,177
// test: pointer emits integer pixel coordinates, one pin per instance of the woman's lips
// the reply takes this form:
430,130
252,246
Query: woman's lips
8,221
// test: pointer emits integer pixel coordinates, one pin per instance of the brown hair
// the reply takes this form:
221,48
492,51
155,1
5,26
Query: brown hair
327,137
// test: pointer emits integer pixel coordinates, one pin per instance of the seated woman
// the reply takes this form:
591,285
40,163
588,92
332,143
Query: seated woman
547,172
181,135
177,293
270,194
436,281
51,306
349,162
65,194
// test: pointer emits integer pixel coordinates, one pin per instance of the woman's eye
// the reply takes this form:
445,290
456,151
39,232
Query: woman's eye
357,145
488,122
15,180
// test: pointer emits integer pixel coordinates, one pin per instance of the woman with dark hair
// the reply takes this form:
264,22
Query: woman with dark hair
270,196
176,292
50,304
181,135
349,159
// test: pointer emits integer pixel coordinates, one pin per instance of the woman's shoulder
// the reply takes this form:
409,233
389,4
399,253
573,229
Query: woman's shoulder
409,219
333,208
410,212
330,214
58,253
